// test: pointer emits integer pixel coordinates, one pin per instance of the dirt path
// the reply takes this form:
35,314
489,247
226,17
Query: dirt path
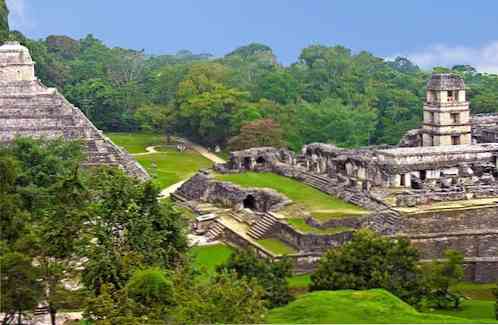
207,154
148,150
166,192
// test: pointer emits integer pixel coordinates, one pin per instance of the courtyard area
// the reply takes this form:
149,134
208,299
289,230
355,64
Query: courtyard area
165,164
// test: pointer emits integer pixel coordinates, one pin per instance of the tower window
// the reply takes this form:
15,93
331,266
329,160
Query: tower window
431,117
455,140
451,96
455,118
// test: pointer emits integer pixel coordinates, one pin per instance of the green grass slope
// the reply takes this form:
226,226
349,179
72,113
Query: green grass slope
136,142
207,258
356,307
170,166
311,198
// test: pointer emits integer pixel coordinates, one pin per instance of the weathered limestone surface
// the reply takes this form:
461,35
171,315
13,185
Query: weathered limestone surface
203,187
29,109
472,231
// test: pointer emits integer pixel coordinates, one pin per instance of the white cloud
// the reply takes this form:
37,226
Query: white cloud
19,18
484,59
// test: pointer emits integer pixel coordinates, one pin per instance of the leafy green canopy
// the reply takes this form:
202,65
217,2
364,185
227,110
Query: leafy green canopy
330,94
369,261
271,275
4,21
62,221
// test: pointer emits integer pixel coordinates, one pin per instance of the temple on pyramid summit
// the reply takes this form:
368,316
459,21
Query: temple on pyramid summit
30,109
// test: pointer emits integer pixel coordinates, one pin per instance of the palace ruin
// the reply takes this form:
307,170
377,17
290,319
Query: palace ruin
438,187
29,109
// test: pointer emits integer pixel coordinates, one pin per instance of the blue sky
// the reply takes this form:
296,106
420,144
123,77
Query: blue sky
436,32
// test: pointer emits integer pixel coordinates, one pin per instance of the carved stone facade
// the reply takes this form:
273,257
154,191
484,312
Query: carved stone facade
446,112
29,109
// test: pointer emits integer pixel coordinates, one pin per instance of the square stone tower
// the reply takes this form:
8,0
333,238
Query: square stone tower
446,112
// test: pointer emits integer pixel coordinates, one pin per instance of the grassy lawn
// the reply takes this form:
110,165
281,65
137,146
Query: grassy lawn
301,225
472,309
477,291
355,307
136,142
209,257
307,196
172,166
276,246
299,281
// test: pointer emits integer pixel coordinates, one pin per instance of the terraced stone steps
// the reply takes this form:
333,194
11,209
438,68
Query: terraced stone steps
385,222
215,231
41,311
262,226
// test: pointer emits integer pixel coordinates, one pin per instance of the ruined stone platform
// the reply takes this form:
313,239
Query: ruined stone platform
30,109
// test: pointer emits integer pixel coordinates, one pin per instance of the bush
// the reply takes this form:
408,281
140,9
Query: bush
441,275
271,275
370,261
150,287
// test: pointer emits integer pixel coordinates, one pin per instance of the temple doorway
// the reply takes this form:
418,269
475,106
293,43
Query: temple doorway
249,202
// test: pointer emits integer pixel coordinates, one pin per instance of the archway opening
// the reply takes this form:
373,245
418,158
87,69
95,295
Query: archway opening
247,162
249,202
260,161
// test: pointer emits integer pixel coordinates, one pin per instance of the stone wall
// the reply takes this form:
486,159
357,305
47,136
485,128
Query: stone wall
203,187
470,243
454,220
472,231
309,242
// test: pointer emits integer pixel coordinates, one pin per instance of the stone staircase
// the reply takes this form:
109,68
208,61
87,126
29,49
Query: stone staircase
262,226
320,182
215,231
41,311
385,222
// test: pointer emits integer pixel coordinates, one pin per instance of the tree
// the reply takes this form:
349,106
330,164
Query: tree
63,46
150,287
225,299
4,21
20,290
208,115
114,307
260,133
369,261
277,85
130,229
271,275
441,276
155,118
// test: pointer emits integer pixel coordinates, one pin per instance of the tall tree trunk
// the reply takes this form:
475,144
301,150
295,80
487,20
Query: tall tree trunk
53,314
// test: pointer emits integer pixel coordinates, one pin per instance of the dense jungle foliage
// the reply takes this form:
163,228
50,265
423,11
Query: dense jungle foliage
330,94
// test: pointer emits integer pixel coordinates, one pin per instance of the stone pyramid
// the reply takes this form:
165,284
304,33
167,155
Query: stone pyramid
29,109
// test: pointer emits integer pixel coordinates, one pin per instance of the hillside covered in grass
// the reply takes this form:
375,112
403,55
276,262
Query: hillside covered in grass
356,307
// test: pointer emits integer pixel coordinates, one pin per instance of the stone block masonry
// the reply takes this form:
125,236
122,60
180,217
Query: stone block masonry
29,109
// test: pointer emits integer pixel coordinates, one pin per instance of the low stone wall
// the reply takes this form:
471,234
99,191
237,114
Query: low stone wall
309,242
470,243
447,221
345,222
481,270
302,262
